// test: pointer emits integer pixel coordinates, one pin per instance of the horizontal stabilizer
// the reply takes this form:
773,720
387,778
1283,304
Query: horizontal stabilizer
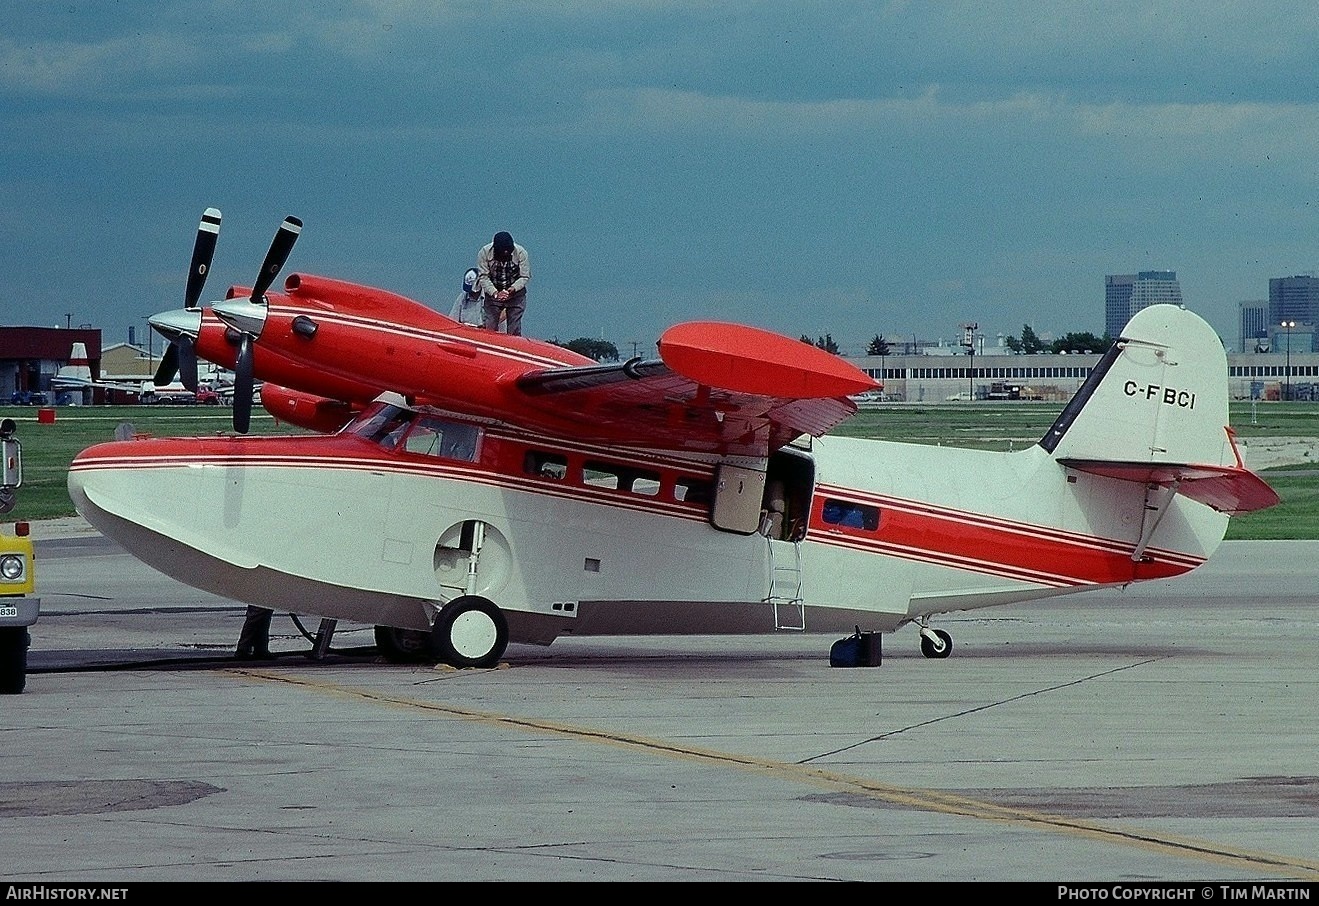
1227,489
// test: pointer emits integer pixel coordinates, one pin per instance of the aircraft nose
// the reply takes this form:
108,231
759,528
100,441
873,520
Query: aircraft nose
242,315
181,322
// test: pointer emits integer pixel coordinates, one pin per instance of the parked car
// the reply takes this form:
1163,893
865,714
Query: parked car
28,398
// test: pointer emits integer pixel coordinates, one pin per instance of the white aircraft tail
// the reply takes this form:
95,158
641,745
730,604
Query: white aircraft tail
1155,410
78,368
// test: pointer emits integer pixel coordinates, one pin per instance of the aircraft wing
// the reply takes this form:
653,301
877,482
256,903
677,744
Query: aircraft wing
717,387
70,383
79,383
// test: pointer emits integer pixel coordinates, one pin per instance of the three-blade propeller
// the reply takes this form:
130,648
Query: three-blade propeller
280,247
181,356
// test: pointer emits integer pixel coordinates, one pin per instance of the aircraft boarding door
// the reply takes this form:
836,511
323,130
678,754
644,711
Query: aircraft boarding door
738,493
746,502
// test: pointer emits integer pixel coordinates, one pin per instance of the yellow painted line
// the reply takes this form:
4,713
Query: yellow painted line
938,801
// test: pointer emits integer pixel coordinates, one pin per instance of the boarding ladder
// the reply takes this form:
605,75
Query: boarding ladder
785,584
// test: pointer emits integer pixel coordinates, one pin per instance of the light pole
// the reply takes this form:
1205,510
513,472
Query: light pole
969,341
1287,373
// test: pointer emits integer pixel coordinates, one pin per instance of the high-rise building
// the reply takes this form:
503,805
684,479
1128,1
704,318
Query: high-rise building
1117,303
1294,299
1126,294
1254,324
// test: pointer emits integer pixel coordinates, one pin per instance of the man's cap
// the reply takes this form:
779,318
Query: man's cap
503,244
469,280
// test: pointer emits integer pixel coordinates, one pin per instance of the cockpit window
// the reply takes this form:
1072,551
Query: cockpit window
436,437
426,435
382,423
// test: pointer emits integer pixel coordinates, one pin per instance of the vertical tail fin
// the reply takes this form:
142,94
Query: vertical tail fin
78,367
1155,410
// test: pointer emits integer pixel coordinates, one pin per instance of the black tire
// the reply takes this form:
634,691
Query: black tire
470,632
931,649
404,646
14,643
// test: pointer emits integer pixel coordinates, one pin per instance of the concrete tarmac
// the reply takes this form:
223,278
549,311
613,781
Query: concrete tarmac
1163,733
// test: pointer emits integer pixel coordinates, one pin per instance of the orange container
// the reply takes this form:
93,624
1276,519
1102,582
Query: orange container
45,416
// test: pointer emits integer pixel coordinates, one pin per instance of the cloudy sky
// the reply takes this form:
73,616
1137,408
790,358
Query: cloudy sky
844,168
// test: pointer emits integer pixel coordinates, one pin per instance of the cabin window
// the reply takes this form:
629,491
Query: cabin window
601,475
545,465
849,514
621,478
691,490
645,482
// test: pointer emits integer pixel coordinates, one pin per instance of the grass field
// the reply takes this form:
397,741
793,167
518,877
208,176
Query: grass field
48,449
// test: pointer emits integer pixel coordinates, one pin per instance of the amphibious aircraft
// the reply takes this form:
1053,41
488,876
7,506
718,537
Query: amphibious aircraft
469,488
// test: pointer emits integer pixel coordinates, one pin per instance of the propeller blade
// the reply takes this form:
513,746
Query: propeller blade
278,254
169,364
187,356
243,385
202,253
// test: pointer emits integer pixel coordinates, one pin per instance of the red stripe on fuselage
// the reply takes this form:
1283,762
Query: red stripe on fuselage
908,529
921,531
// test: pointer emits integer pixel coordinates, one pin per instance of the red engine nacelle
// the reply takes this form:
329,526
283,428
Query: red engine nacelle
305,410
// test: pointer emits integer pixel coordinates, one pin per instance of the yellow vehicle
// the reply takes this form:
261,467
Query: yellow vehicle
18,606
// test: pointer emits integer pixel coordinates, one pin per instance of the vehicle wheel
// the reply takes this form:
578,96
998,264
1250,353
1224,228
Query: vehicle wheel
404,646
470,632
940,649
14,643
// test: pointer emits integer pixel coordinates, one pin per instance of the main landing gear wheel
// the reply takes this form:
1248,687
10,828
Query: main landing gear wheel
470,632
404,646
936,643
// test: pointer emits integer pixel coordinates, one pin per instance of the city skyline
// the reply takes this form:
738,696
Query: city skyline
1255,318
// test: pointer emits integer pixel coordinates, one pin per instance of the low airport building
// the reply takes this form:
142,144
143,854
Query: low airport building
929,378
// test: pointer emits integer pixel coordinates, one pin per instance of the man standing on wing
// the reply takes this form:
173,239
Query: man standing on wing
505,270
